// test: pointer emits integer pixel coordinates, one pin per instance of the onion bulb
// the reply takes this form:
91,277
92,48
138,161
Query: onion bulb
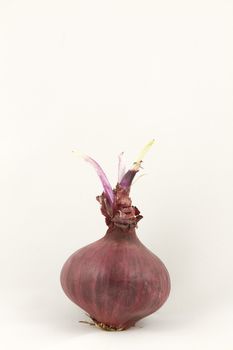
117,280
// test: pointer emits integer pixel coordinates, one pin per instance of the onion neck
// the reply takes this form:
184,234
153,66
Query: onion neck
118,234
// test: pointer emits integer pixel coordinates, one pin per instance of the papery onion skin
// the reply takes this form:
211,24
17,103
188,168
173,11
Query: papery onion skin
116,280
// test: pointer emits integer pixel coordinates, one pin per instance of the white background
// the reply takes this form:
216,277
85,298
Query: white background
105,77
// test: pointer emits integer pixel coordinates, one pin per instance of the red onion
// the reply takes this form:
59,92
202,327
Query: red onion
116,280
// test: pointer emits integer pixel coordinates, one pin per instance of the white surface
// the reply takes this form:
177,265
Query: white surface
107,76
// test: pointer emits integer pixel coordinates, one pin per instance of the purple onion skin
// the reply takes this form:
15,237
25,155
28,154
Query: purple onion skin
116,280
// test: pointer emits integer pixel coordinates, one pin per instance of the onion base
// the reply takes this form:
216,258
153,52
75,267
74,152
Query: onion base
103,326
